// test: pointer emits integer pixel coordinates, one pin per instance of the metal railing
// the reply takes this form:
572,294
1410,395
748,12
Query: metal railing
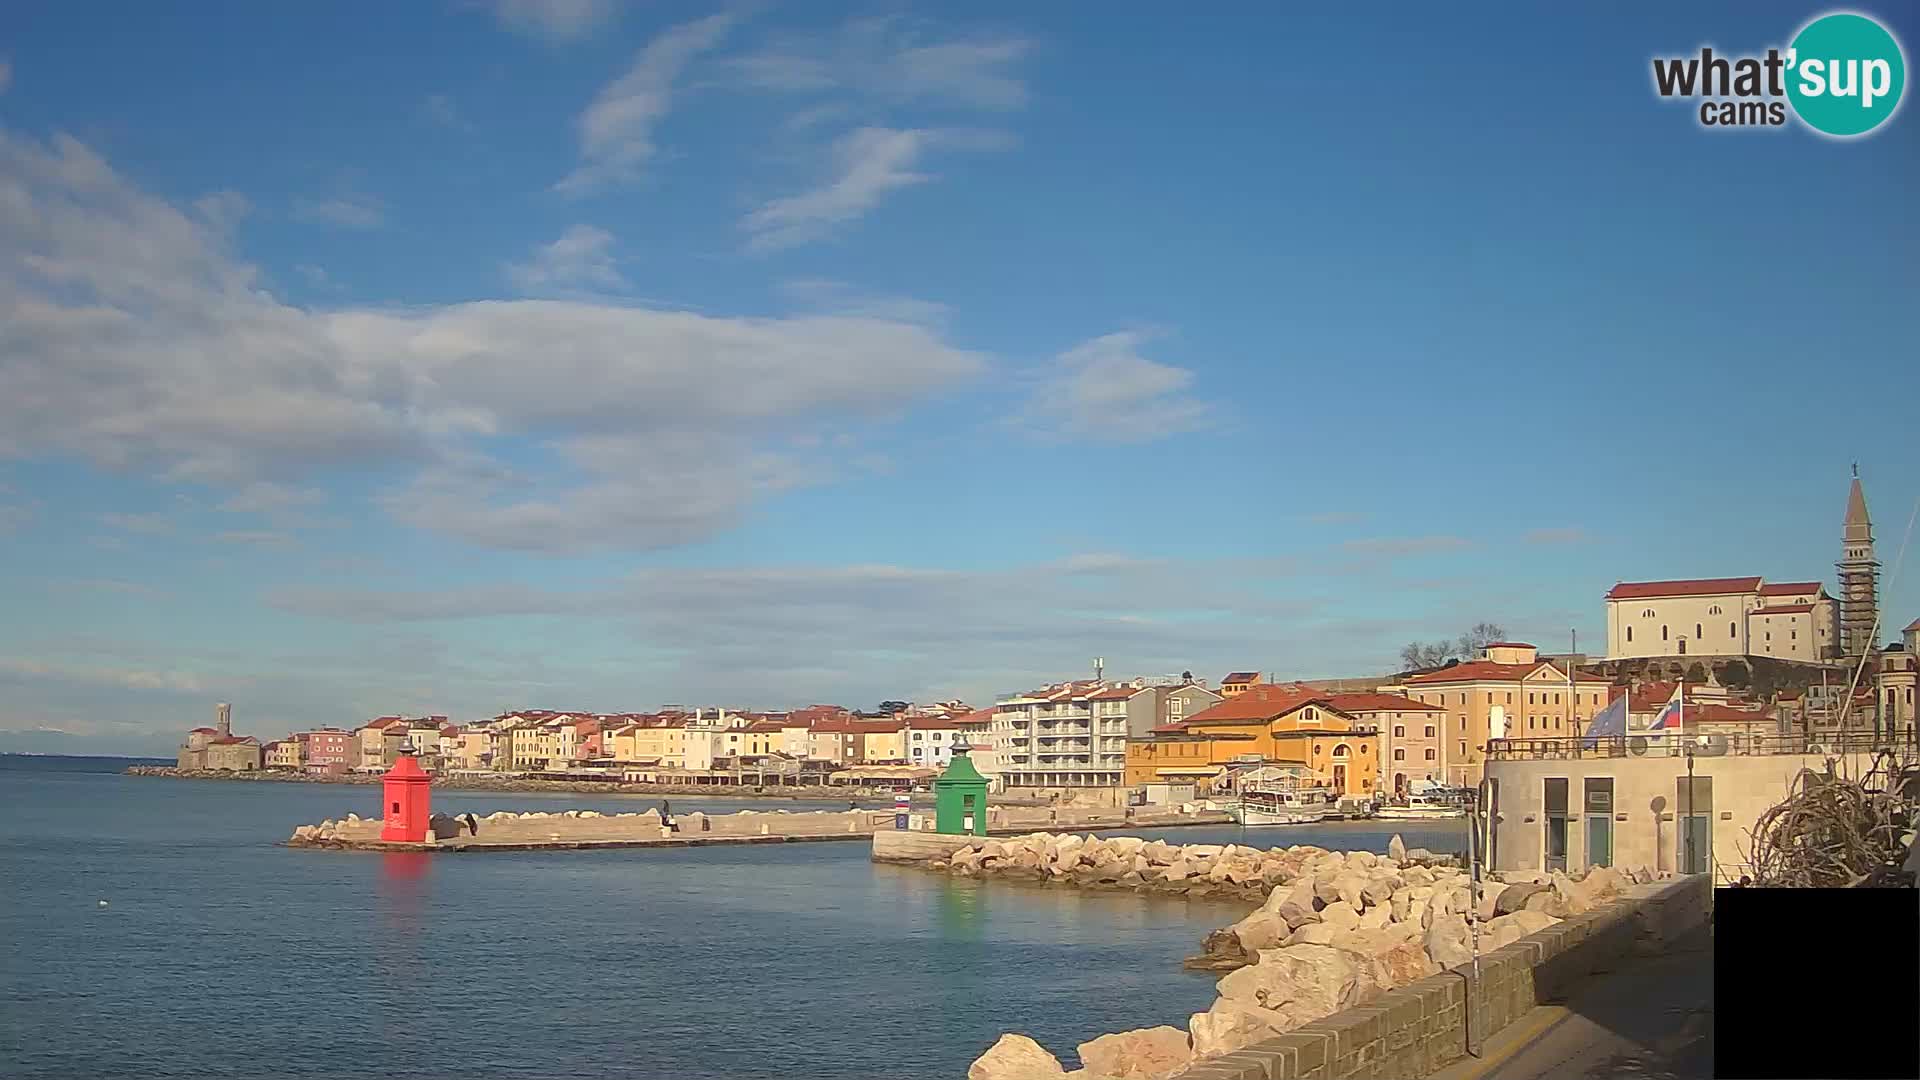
1676,744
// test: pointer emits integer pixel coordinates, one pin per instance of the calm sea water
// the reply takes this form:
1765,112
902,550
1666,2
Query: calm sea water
221,953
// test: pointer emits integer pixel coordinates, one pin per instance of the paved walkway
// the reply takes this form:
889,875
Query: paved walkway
1652,1020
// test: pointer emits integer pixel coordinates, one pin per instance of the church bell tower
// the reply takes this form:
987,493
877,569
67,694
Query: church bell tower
1859,575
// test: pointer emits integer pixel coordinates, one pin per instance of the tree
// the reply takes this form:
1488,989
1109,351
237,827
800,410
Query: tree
892,708
1431,654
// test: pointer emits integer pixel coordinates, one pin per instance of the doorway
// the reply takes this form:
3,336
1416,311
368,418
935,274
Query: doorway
1556,823
1599,811
1340,779
1696,825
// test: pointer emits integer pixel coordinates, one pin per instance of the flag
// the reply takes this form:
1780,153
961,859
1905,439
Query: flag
1609,721
1669,717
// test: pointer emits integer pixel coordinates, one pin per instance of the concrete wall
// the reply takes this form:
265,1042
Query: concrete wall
1419,1029
1648,803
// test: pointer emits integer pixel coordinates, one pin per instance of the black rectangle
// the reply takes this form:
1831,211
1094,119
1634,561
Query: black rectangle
1816,982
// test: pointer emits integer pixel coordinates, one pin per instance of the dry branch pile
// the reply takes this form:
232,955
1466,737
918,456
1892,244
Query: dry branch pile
1831,833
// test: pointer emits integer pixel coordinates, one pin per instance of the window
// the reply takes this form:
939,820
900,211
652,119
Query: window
1556,699
1731,632
1715,610
1629,633
1363,746
1530,700
1647,614
1340,750
1463,699
1463,748
1489,697
1176,707
1399,754
1430,754
1663,632
1698,633
1429,731
1529,723
1509,697
1399,731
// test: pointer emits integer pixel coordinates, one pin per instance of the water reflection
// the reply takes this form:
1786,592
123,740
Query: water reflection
962,913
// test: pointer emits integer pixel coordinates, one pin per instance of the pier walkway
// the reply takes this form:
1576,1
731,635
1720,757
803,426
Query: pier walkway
1652,1020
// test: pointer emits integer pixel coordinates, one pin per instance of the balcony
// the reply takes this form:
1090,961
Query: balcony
1703,744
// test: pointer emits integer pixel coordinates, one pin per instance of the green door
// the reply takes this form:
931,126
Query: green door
1599,840
1694,844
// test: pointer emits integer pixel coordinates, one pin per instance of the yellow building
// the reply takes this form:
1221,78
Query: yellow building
1509,693
666,744
285,754
1290,724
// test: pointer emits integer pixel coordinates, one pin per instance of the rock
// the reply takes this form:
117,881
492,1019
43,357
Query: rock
351,818
1178,870
1340,914
1261,930
1159,852
1015,1057
1378,891
1131,845
1400,904
589,813
1153,1053
1573,895
1514,897
1302,983
1228,1026
1220,951
1324,888
1447,941
1314,934
1489,897
1375,918
1351,886
1361,860
1604,883
993,849
1297,916
1548,902
1403,964
1132,878
1397,850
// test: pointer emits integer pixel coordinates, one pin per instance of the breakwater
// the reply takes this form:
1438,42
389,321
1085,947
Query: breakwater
583,829
1333,930
530,785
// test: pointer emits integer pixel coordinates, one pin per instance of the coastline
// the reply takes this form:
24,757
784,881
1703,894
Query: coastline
523,785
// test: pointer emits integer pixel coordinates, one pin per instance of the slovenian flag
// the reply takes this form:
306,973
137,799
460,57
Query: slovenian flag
1670,716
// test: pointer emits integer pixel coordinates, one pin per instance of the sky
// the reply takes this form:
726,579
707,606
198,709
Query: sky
460,356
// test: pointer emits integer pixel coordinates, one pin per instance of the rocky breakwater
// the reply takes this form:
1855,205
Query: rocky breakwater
1200,871
1345,927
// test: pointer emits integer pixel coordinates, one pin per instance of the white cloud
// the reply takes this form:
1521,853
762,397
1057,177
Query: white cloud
1104,390
841,298
581,258
172,681
616,131
348,212
265,497
554,20
132,337
891,59
868,163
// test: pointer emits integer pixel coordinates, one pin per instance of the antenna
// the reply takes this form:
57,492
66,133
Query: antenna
1099,667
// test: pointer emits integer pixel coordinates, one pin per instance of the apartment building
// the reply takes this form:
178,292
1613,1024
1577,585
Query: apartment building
1067,735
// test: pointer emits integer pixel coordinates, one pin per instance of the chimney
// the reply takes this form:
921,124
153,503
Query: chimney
223,719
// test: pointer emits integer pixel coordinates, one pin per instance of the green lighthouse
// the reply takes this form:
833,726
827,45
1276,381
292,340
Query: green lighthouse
960,797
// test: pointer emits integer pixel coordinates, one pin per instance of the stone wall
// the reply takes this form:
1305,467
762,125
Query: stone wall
1421,1028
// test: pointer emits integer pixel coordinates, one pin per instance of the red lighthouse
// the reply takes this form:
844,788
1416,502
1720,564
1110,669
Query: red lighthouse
405,791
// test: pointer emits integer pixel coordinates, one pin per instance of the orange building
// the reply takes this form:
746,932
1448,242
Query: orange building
1286,724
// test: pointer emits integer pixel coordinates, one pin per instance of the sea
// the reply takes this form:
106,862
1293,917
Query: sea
160,928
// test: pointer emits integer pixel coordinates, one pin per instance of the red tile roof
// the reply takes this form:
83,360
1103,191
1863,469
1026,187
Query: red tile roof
1912,627
1258,703
1783,609
1789,588
1115,693
976,718
934,723
1377,702
1646,590
204,730
1488,671
766,725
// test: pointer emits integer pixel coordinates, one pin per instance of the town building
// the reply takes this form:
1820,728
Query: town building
975,731
1060,737
1686,803
930,739
1162,702
1239,683
1331,737
1409,736
1715,617
379,743
1859,575
218,748
1509,692
328,750
287,754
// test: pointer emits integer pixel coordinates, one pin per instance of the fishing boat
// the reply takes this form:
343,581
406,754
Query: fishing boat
1427,802
1276,806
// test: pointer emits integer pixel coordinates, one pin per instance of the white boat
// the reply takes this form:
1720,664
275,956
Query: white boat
1430,803
1275,807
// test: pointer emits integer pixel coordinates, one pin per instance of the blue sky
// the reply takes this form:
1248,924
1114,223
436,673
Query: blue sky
467,355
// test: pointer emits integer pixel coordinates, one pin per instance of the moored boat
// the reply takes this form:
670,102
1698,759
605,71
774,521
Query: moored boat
1432,802
1262,806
